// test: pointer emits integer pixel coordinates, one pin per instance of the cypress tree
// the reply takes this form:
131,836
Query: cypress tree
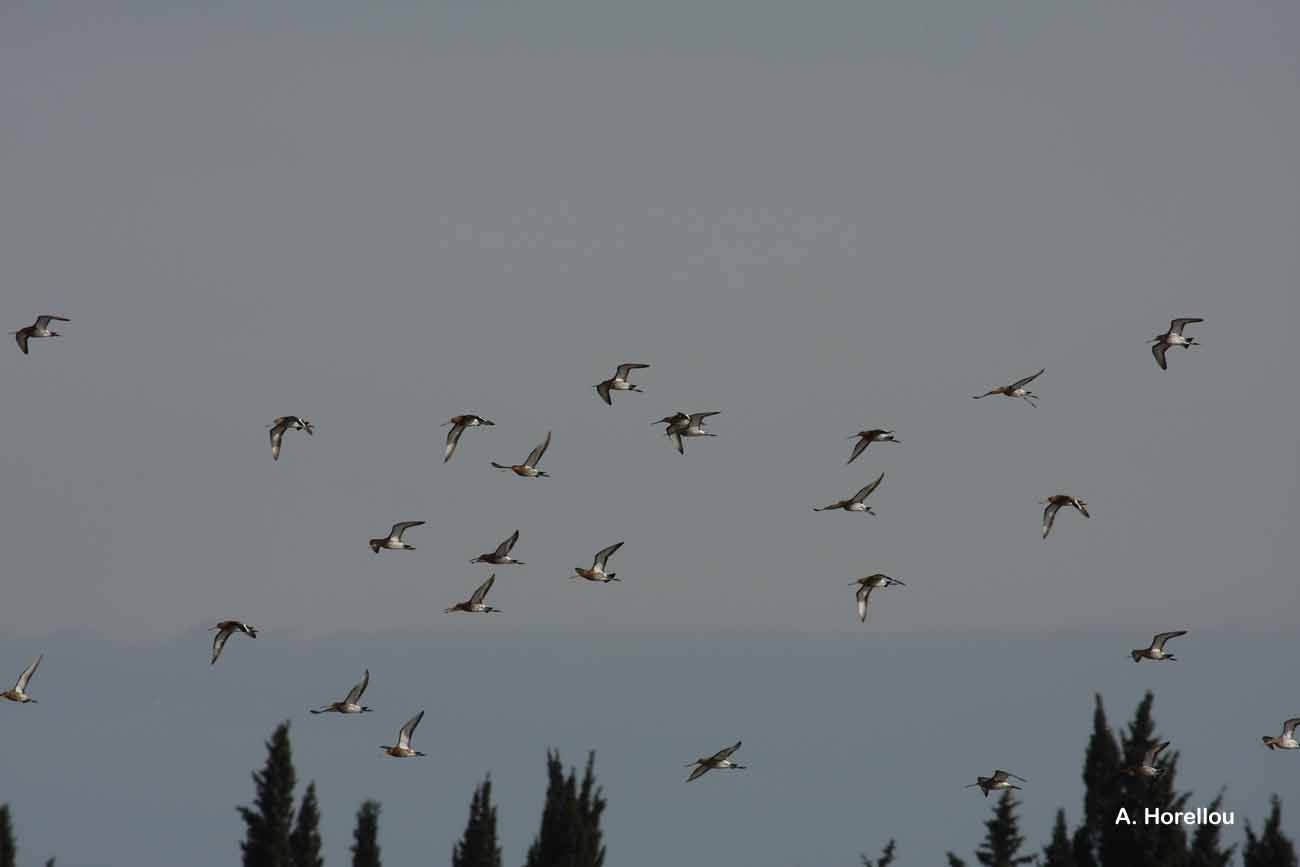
886,857
8,851
1271,848
1101,764
304,842
1205,851
1003,840
954,861
1060,851
266,842
570,835
1149,845
365,845
478,848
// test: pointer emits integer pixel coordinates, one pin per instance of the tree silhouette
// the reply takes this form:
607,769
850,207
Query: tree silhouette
1206,851
570,835
365,839
8,851
304,842
478,847
886,857
267,822
1002,840
1271,848
1060,851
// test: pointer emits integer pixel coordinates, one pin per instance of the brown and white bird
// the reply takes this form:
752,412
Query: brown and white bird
1054,504
225,629
996,783
1156,650
40,328
19,692
528,469
474,605
719,761
867,437
1147,766
352,703
402,749
857,502
866,585
1287,740
1016,389
393,541
501,556
618,382
286,423
458,424
681,427
1161,343
597,571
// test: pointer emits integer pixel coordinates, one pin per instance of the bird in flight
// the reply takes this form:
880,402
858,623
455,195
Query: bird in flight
999,781
1156,650
679,427
393,541
1287,739
857,502
1016,389
1054,504
866,585
40,328
528,469
721,760
284,423
458,424
867,437
597,571
402,749
351,704
19,692
225,629
618,382
1147,767
474,605
1173,337
501,556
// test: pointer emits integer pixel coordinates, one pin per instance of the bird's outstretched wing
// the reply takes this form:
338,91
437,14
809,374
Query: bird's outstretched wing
507,546
26,676
453,437
482,591
604,554
354,694
1021,383
404,734
536,454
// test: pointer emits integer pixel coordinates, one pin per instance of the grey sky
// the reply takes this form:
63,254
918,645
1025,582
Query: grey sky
815,218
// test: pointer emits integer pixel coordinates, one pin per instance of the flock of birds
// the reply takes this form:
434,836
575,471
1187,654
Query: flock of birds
678,427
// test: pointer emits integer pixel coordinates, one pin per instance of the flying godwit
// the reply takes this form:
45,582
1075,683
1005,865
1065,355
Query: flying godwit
284,423
19,692
402,749
225,629
867,437
1156,650
41,328
721,760
458,424
618,382
1173,337
528,469
1016,389
351,704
